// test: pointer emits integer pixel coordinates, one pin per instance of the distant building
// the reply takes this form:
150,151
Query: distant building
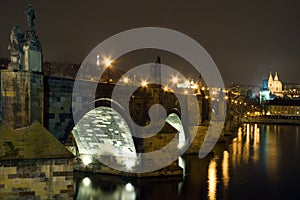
271,88
275,85
283,108
291,90
264,92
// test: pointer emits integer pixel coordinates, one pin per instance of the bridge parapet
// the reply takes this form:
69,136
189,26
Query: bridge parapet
58,103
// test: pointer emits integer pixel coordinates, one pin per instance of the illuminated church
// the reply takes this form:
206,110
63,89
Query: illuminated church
270,88
275,85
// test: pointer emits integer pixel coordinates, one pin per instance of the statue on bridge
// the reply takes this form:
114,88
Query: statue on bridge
15,47
25,49
30,14
16,38
32,41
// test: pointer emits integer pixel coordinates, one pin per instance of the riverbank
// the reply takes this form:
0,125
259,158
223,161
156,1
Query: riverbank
264,120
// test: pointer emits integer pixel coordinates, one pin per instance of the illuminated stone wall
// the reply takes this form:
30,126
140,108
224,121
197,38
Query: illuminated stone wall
58,104
0,98
103,131
36,179
22,98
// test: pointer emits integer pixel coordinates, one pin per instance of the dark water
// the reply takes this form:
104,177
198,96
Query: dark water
261,162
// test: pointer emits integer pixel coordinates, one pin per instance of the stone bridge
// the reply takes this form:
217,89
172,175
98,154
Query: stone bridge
29,96
58,118
98,121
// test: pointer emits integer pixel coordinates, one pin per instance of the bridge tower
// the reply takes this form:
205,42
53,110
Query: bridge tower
21,85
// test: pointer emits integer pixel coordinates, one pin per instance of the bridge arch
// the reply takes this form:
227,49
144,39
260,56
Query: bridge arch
101,102
97,136
101,131
174,119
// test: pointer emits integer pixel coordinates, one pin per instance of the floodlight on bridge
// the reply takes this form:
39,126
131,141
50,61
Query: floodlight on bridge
126,80
175,80
107,61
144,83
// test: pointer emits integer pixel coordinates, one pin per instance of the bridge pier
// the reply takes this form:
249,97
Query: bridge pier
21,98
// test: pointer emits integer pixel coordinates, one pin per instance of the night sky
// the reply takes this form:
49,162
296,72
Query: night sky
246,39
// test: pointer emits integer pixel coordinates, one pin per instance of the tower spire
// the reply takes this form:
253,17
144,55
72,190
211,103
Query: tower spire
270,76
276,77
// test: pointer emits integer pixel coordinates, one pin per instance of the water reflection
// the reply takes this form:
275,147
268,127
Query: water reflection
225,169
212,180
245,147
104,187
261,162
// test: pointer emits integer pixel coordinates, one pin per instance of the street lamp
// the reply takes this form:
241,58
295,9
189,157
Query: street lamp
107,62
174,79
126,80
166,88
144,83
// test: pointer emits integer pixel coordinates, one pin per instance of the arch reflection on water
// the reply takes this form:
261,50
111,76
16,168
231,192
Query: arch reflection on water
104,187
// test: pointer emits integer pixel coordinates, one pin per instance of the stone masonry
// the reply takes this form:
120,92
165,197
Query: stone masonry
21,97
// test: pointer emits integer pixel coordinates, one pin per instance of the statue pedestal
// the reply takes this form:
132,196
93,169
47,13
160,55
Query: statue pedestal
15,58
32,60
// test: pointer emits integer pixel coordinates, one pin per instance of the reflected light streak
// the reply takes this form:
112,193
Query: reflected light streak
212,180
86,181
248,129
245,148
181,163
225,169
129,187
256,136
128,193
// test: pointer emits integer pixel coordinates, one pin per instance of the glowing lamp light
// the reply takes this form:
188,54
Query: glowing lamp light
174,79
107,62
86,160
194,86
166,88
86,181
98,60
129,187
126,80
144,83
129,163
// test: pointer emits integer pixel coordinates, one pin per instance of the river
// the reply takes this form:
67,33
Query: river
261,162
